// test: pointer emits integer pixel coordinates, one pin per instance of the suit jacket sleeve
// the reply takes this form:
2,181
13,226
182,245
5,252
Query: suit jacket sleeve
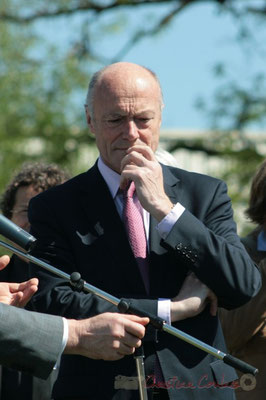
29,341
205,239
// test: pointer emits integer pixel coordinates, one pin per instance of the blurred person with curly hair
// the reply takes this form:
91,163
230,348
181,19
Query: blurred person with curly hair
31,179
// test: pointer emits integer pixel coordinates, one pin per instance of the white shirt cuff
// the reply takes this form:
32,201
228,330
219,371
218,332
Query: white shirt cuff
164,227
64,341
65,334
164,310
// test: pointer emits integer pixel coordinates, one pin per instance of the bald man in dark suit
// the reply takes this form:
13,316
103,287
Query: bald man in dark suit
191,237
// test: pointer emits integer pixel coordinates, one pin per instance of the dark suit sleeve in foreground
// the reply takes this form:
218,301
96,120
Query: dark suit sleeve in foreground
30,342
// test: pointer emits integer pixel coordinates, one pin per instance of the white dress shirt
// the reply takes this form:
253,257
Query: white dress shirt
112,180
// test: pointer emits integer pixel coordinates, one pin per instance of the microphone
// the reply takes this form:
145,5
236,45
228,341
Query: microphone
16,234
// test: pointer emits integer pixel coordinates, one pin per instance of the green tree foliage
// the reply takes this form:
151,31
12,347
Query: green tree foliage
39,118
41,80
232,113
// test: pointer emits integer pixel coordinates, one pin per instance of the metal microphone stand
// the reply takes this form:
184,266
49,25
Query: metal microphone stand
125,306
139,358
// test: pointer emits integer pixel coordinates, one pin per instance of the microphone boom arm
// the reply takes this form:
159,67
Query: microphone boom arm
126,307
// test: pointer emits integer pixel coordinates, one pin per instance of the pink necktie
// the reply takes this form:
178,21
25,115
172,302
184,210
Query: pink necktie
132,217
133,220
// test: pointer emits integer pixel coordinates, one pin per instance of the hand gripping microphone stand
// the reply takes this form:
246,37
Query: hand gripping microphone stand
27,241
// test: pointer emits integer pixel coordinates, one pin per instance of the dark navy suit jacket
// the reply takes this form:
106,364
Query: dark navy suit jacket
79,229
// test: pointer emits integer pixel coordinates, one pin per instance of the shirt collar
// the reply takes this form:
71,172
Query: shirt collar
111,177
261,241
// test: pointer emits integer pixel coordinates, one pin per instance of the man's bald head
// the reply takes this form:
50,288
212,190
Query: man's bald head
124,110
110,77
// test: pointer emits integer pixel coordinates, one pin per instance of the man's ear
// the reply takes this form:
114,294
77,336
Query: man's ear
89,119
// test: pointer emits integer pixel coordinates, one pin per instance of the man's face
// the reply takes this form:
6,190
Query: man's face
126,112
20,209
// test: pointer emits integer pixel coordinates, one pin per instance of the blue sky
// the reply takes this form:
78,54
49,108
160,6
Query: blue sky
183,55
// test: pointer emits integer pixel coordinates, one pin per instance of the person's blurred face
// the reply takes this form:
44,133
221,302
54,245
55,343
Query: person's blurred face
20,209
127,111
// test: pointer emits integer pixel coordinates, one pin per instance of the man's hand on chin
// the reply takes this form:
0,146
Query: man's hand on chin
141,166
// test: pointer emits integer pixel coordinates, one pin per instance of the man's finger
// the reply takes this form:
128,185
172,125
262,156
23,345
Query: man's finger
136,328
27,295
140,320
146,151
126,349
16,299
31,282
4,261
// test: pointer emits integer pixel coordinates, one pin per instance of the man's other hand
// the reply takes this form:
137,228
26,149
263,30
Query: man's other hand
108,336
4,261
18,294
192,299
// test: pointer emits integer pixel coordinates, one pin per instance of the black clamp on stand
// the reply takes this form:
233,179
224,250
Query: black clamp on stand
126,307
77,282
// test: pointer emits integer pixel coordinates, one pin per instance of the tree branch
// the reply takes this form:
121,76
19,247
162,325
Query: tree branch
150,32
85,6
255,10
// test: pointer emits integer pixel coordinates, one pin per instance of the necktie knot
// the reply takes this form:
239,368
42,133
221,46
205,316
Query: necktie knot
129,192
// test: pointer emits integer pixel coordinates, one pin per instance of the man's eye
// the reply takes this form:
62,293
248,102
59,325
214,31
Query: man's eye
144,120
114,121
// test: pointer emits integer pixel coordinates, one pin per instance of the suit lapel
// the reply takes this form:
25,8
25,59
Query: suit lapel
103,219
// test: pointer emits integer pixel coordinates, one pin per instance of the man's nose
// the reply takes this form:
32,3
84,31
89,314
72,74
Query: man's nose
131,130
